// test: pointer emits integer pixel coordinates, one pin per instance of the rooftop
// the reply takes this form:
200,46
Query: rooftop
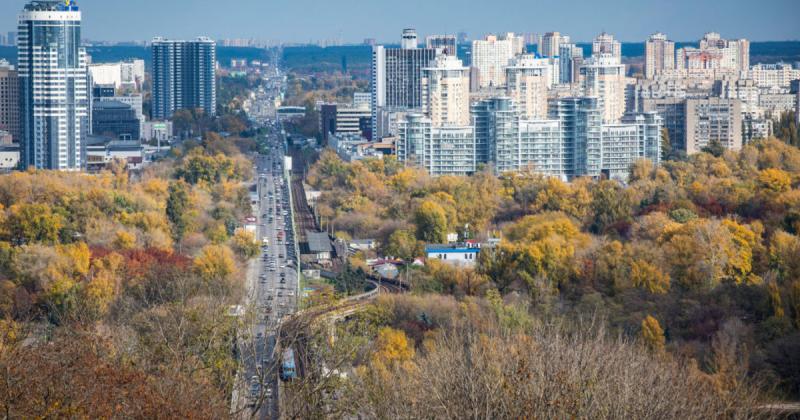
318,242
103,105
52,6
463,247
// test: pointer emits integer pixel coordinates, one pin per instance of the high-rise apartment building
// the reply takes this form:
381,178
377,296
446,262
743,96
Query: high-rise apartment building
606,44
184,76
735,53
125,74
603,77
715,53
794,88
638,136
54,96
528,79
9,100
659,55
448,44
496,122
713,120
778,75
344,120
572,142
445,92
409,39
581,122
515,143
550,42
440,150
491,56
396,79
570,60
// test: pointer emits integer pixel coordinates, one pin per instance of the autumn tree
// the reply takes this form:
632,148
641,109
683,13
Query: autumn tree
392,346
32,223
431,222
215,264
653,334
649,277
244,243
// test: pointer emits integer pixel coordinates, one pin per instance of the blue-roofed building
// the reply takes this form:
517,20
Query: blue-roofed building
461,254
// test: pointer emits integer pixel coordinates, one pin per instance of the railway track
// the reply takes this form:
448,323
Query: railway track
304,217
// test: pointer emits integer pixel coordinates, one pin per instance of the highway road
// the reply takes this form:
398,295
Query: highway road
272,285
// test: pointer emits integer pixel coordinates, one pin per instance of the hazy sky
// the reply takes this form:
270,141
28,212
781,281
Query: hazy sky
354,20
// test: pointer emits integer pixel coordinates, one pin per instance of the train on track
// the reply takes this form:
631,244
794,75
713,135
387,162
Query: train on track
288,366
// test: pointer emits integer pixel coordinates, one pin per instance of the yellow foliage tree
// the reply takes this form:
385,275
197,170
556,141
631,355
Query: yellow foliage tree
217,233
653,334
775,300
392,347
244,243
29,223
215,263
648,276
78,256
775,180
794,301
124,240
784,250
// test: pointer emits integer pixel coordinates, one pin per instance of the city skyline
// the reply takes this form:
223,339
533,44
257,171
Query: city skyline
352,21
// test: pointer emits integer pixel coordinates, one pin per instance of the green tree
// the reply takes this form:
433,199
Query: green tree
714,148
431,222
610,205
666,144
178,208
403,244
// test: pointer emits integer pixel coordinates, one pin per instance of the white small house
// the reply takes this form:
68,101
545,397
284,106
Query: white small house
362,244
464,254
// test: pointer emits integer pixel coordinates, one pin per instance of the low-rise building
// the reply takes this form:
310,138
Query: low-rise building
159,131
9,157
460,255
362,244
102,150
317,248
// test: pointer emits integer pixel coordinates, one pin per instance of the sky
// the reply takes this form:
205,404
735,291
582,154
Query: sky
354,20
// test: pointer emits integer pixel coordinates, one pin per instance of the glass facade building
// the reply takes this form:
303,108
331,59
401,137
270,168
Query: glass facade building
54,96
